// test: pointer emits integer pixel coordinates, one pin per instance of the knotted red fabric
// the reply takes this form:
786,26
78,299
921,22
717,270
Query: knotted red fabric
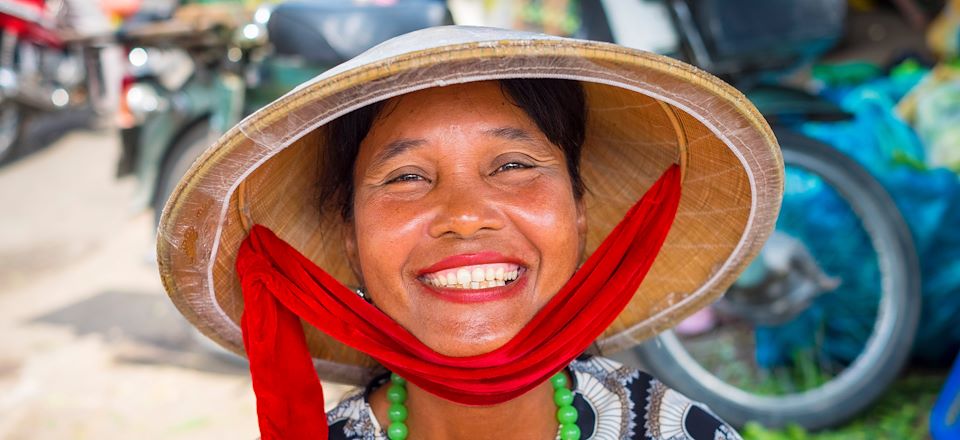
281,287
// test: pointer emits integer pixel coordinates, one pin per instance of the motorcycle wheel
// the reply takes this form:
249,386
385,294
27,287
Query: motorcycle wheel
11,124
816,390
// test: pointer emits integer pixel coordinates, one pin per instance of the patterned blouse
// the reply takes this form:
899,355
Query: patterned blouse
614,402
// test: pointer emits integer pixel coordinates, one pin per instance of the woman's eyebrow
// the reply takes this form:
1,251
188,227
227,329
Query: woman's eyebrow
395,148
520,135
510,133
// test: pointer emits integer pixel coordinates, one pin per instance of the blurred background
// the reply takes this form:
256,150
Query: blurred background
846,326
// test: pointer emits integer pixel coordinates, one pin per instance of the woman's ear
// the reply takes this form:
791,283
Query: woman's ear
349,233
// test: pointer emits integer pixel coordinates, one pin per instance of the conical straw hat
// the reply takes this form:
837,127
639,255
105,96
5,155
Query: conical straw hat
645,112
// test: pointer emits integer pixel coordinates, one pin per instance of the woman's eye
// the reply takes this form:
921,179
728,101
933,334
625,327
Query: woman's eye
406,178
512,166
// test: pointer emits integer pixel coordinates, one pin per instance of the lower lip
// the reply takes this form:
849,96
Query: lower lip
469,296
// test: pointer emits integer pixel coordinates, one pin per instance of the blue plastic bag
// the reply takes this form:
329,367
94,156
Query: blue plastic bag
929,201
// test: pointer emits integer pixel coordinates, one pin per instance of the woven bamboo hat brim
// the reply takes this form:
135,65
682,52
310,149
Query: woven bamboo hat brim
646,112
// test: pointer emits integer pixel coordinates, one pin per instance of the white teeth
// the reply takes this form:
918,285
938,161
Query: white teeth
468,285
477,275
463,277
444,282
474,277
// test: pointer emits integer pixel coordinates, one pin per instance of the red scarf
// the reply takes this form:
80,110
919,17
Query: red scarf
281,287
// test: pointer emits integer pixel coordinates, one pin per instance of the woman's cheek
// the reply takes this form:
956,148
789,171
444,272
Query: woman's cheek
385,245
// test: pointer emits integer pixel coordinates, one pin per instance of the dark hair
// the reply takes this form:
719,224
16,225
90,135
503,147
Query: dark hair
557,106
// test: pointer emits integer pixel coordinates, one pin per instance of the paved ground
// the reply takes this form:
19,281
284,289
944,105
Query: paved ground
90,347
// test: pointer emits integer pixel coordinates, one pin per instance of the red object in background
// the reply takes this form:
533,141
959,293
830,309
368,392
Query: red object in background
125,118
29,19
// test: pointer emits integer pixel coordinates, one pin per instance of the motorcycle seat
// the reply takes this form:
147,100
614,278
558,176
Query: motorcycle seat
331,32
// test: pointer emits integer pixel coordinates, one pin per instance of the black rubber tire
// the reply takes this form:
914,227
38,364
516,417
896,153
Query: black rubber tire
845,396
11,130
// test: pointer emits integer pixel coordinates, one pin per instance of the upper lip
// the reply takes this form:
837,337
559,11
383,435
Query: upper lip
487,257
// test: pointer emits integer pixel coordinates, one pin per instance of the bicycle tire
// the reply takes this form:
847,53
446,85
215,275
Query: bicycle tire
12,120
887,348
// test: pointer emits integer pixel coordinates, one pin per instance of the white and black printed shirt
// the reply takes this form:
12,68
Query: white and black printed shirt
614,402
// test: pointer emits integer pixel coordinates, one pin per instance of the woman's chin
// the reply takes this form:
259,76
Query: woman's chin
468,323
463,347
468,337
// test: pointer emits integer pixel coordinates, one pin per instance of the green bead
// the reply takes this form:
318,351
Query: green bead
569,431
398,431
562,397
395,378
398,413
566,414
559,380
396,394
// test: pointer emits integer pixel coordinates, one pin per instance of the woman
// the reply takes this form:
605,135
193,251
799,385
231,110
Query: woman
501,201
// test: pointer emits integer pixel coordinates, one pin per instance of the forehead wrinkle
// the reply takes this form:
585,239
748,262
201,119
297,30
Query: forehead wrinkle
395,148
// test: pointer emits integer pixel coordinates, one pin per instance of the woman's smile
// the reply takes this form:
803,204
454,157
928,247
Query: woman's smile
465,220
472,271
478,277
474,277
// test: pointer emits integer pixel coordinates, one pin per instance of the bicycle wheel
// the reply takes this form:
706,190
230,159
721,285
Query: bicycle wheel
818,326
11,125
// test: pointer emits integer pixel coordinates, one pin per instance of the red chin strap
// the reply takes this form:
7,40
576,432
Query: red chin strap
281,287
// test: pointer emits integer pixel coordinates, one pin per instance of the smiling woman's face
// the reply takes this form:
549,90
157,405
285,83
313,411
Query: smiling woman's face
464,219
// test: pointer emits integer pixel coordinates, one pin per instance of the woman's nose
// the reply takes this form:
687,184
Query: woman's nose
464,211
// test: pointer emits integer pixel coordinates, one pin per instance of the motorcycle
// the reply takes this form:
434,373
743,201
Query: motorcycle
188,87
823,320
45,65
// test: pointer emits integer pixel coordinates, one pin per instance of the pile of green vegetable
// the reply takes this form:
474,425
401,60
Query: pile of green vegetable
902,413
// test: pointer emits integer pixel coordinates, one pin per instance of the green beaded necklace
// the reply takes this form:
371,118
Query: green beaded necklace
562,397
